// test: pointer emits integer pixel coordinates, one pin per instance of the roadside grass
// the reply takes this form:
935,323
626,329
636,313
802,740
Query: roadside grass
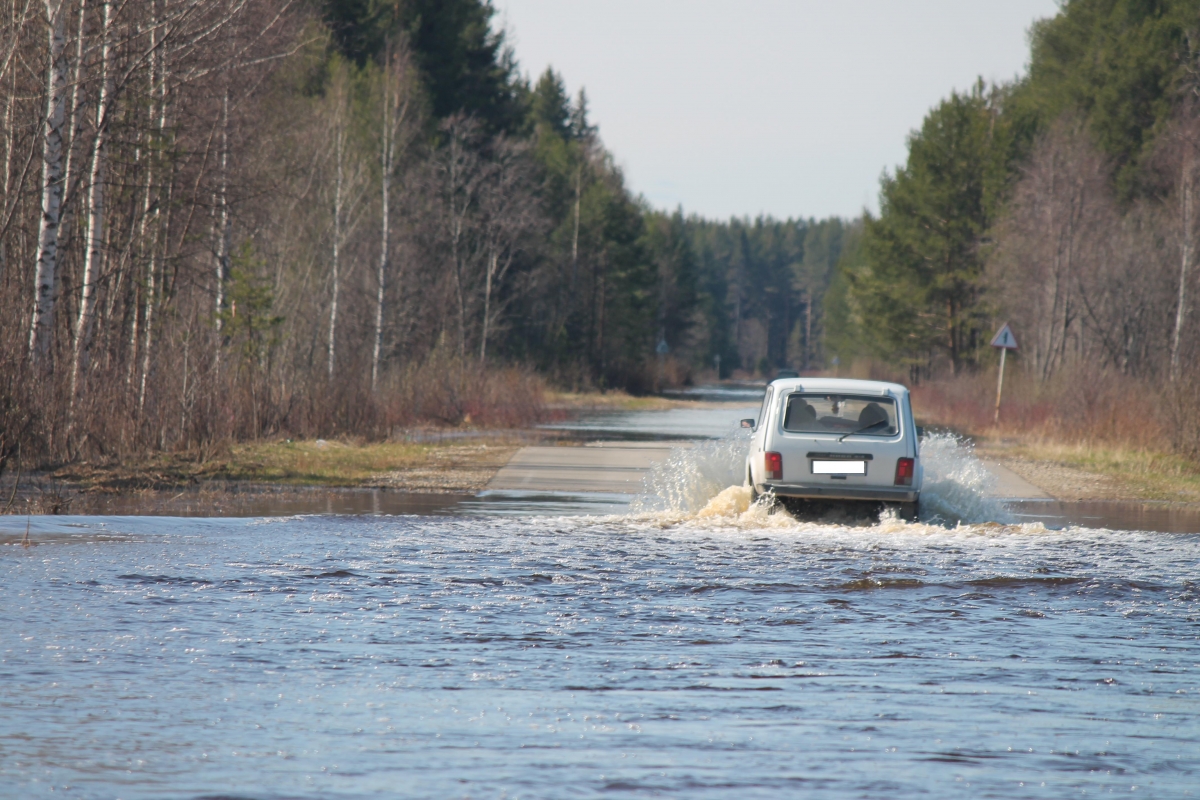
1146,473
319,462
348,464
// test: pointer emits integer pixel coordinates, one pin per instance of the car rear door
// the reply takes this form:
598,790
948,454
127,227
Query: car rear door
843,457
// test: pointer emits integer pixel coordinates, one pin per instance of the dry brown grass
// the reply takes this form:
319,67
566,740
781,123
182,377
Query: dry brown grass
458,465
1078,407
1131,472
1120,428
334,463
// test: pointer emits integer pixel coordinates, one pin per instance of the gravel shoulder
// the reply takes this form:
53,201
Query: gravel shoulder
1062,481
1082,472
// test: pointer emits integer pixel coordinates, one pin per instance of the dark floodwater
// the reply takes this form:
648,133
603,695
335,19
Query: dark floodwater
624,656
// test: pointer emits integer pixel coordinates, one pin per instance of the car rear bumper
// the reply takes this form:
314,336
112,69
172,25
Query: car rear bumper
887,494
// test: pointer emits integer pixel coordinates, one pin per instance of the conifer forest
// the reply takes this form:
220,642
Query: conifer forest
231,219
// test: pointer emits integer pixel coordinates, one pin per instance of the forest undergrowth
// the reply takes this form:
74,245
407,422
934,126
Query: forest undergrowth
225,410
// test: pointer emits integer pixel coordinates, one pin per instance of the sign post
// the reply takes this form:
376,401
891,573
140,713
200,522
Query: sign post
1004,340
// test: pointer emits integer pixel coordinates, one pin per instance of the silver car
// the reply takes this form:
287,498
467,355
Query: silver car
819,441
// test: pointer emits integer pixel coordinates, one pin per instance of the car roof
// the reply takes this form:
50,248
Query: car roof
839,386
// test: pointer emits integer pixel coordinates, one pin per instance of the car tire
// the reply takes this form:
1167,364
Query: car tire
753,491
910,512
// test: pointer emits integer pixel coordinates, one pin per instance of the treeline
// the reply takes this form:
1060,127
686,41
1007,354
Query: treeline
226,219
1064,203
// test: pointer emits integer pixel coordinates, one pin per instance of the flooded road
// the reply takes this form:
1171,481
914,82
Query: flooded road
511,646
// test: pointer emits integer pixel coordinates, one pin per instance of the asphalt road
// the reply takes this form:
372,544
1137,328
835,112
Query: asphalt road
618,467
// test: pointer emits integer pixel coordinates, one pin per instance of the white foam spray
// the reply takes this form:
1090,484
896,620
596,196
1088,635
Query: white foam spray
706,481
956,483
691,476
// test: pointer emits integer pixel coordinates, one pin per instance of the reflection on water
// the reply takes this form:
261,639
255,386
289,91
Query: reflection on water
510,502
750,393
671,424
1113,514
268,502
736,654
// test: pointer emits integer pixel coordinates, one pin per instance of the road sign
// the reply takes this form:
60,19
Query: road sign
1004,338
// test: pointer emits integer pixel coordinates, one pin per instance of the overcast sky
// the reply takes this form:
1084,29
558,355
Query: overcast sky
783,107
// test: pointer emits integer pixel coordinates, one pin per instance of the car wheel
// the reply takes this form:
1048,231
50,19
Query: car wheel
753,491
910,512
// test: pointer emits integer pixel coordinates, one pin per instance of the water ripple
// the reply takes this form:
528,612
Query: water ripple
661,652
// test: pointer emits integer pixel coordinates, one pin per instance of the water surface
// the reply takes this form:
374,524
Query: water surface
743,655
686,644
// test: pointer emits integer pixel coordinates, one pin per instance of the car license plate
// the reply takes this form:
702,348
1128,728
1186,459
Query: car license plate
839,467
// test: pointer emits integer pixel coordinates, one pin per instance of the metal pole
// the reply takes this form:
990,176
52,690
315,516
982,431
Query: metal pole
1000,383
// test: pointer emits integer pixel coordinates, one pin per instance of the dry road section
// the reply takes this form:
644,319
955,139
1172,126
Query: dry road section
618,467
596,467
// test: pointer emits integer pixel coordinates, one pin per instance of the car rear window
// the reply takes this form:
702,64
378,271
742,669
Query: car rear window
840,413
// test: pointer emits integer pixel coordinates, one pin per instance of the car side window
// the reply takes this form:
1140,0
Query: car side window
762,414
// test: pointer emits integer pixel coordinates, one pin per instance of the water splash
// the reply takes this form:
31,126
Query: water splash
707,481
731,502
692,476
956,484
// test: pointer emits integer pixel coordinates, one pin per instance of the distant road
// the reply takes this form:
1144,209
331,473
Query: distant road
615,467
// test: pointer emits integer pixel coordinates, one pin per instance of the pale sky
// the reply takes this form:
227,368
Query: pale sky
784,107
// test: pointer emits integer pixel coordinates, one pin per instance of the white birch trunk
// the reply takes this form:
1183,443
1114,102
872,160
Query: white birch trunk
151,266
225,231
487,307
95,234
8,152
41,328
386,163
458,219
1186,247
145,253
338,201
9,99
74,118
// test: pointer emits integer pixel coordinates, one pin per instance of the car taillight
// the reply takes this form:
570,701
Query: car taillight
773,463
904,471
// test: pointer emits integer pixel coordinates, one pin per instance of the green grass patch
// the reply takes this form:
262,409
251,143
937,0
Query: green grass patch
1148,474
324,462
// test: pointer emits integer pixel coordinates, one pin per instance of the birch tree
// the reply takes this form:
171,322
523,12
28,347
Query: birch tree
509,214
1186,138
347,191
460,172
396,88
95,202
41,326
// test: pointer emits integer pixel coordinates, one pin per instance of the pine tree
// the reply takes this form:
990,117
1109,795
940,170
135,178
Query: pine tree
919,290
